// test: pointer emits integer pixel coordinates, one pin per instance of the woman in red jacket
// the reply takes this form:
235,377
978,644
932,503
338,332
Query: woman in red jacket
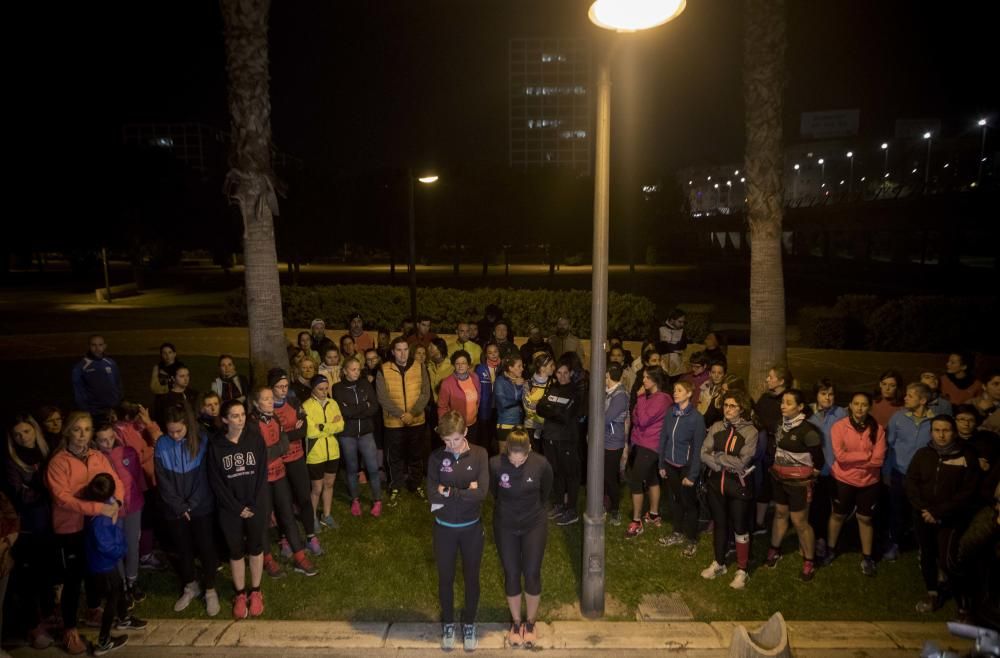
858,443
460,391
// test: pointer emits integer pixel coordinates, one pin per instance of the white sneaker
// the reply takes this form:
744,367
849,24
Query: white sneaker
740,579
211,602
713,570
191,591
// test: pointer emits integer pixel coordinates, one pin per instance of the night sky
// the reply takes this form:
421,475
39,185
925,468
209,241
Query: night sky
388,83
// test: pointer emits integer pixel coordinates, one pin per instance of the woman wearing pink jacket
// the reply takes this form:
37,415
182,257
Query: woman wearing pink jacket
651,408
859,446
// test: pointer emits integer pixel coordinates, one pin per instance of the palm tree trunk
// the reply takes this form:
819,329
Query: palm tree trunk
763,86
250,181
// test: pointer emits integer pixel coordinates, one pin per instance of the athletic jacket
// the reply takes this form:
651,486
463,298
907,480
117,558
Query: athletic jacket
289,414
104,543
728,451
237,471
823,420
486,377
358,406
648,418
857,459
128,467
520,492
681,437
615,417
509,401
322,426
453,397
904,435
945,483
25,486
275,441
182,480
97,384
462,506
560,408
66,476
140,438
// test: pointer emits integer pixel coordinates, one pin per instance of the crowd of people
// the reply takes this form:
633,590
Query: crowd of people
245,471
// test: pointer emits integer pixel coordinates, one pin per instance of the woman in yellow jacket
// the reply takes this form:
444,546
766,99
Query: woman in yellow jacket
323,422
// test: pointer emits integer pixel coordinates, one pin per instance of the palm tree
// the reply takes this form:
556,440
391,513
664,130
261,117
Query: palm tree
250,181
763,86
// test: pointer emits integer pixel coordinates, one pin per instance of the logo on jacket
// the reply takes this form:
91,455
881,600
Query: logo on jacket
505,481
446,465
239,460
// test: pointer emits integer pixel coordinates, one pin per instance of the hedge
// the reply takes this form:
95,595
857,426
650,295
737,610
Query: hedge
630,316
902,324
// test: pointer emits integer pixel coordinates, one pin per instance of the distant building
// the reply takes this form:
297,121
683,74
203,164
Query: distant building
550,103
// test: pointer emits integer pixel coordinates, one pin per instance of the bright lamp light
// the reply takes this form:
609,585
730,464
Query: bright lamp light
634,15
428,179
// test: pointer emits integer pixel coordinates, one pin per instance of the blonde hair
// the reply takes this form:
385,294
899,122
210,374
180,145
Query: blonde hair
518,441
451,423
40,441
71,420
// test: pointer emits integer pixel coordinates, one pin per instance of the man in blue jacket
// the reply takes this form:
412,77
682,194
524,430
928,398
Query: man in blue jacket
908,430
97,382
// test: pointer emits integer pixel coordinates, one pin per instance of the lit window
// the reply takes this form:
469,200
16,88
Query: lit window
543,123
578,90
573,134
164,142
549,57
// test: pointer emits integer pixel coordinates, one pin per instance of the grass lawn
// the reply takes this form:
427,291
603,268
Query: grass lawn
383,569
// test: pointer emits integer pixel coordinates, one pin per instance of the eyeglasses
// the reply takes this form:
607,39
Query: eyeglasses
730,405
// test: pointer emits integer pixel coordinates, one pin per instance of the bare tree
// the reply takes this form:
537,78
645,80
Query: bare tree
763,87
250,181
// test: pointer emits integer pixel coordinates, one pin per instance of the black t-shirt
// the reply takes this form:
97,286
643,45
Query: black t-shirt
520,492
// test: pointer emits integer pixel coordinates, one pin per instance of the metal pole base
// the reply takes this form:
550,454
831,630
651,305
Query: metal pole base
592,599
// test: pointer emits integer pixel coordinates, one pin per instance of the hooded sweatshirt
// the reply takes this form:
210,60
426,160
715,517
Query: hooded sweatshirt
67,476
237,471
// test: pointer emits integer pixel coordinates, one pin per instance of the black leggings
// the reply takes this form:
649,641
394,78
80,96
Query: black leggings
74,564
612,487
823,494
34,558
564,456
298,479
938,547
448,543
111,589
731,515
683,503
186,536
280,502
521,552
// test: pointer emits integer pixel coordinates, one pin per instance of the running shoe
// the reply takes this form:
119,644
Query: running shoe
868,567
328,522
515,637
305,567
827,560
892,553
39,638
616,517
286,548
355,507
634,529
256,603
808,571
569,517
313,546
740,579
713,571
240,609
73,643
376,510
92,618
690,550
556,511
272,568
421,494
656,520
136,594
211,602
150,562
469,640
773,556
929,603
191,591
820,548
110,644
394,498
528,633
131,623
673,539
448,636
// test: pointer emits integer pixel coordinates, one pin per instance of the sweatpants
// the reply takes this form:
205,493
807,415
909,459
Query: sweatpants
731,515
188,536
682,502
405,448
936,543
448,544
521,552
564,457
35,562
612,486
74,564
298,479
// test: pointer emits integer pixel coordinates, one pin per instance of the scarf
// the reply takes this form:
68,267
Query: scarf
681,412
539,381
860,427
30,456
788,424
963,382
461,378
946,451
493,363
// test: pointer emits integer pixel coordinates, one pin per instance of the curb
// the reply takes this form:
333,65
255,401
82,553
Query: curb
572,635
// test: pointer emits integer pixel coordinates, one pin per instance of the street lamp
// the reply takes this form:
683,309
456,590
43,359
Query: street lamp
822,172
885,160
424,180
620,16
729,193
927,161
850,174
795,183
982,153
718,196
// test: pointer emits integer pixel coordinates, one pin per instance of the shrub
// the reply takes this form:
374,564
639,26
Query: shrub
823,327
628,315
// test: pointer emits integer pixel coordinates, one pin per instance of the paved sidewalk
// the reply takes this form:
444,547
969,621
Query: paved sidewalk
225,637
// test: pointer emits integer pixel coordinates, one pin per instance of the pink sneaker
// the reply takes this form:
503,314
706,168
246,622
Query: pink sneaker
377,508
256,603
355,507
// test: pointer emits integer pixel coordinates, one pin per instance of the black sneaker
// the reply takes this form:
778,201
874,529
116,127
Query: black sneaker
110,644
131,623
394,498
137,594
556,511
569,517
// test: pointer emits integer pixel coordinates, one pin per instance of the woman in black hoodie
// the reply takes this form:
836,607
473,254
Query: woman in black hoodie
358,405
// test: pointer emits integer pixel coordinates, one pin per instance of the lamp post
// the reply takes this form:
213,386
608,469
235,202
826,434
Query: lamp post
729,195
620,17
718,197
982,153
424,180
822,172
850,175
927,161
795,181
885,160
